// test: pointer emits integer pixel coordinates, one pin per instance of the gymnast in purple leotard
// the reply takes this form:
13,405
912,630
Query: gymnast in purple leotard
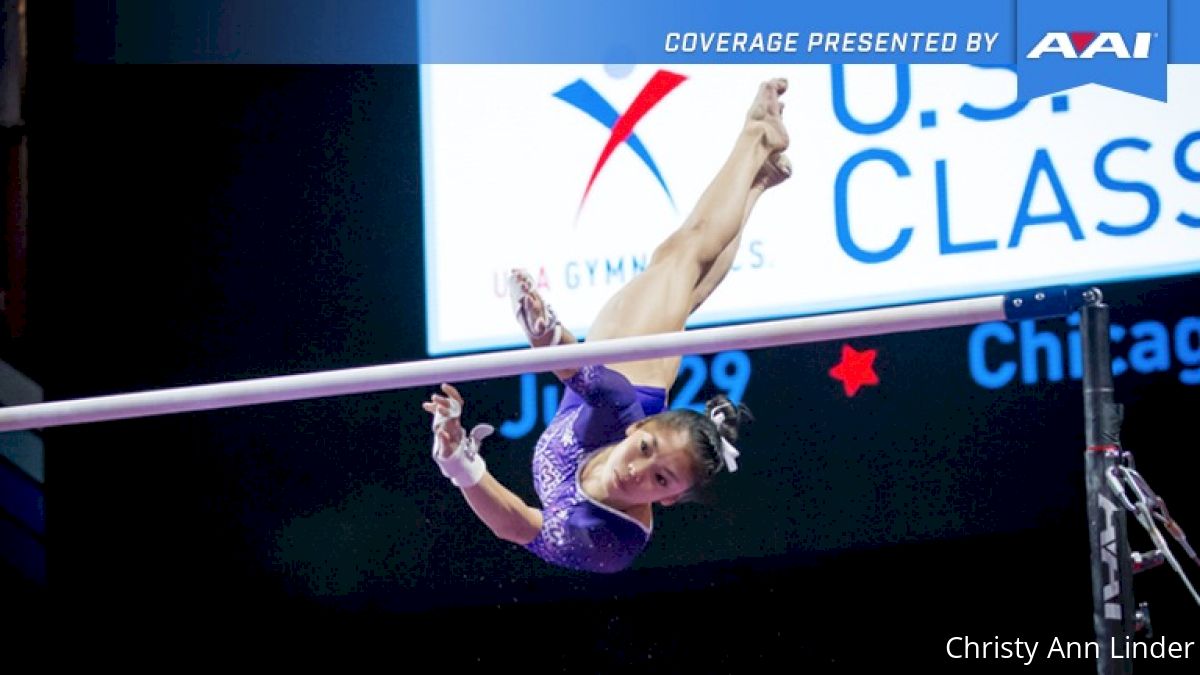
613,450
579,531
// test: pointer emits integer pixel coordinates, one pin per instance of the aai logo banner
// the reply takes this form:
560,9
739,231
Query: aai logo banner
1120,44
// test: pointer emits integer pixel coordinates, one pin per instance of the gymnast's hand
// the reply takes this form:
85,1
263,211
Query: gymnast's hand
446,411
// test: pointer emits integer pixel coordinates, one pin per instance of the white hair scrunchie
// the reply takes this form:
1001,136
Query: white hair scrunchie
728,453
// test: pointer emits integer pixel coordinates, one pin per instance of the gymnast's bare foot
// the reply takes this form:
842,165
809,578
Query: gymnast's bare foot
774,171
766,114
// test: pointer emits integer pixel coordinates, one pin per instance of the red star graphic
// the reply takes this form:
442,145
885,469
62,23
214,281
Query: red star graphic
855,370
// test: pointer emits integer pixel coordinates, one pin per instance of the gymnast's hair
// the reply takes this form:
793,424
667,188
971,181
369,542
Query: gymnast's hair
706,435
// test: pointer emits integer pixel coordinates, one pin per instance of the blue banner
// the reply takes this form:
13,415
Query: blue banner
716,31
1117,43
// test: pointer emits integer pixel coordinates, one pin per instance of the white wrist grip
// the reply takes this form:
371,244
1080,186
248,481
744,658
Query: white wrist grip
464,466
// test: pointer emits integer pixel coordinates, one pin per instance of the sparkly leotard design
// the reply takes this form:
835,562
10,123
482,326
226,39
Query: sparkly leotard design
577,531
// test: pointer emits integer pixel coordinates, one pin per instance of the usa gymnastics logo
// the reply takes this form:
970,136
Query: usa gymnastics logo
1115,43
583,96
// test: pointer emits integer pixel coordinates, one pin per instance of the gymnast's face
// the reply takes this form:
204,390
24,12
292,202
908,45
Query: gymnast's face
653,464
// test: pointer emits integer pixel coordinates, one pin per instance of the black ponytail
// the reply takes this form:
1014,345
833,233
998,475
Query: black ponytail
734,416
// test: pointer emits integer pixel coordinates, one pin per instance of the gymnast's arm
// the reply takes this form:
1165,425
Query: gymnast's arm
505,514
611,403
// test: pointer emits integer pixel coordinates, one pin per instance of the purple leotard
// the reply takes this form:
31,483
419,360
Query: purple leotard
579,532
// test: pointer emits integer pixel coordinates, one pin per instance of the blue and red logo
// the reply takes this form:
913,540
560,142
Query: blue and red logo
621,126
1081,44
1116,43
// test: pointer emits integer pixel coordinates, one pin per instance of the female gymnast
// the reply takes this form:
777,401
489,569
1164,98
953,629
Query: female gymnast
613,451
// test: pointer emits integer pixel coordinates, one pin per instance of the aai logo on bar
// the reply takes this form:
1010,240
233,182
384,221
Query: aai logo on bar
1114,43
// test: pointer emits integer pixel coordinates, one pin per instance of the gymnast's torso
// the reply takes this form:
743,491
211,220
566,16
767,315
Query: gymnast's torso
579,532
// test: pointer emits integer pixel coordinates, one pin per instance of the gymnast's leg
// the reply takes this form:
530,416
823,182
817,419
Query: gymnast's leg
689,264
775,171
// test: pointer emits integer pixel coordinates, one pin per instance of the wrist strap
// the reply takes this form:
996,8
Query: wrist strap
464,466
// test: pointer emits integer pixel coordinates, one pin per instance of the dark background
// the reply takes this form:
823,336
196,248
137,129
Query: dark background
199,223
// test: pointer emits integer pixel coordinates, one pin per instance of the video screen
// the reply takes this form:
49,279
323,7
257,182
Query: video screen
911,184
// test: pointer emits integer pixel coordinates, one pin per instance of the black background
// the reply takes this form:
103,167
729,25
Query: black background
199,223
